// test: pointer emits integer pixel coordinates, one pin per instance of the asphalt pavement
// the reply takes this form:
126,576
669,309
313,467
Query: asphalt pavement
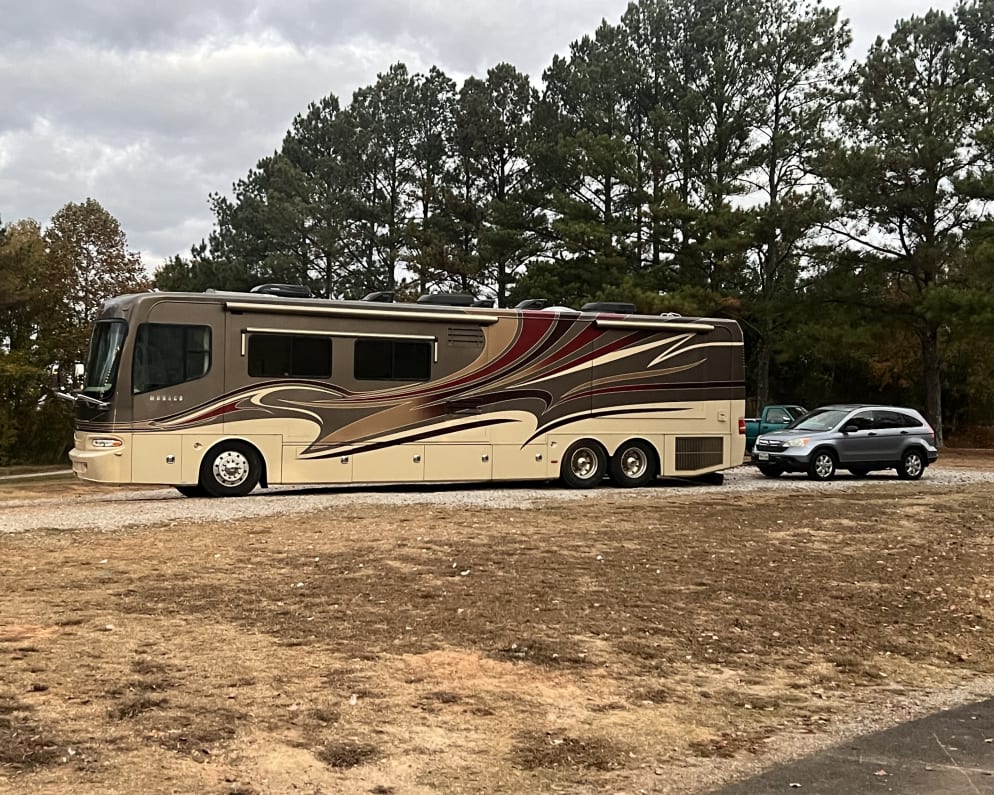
948,753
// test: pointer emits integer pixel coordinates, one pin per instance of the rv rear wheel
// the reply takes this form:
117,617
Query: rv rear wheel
633,464
583,465
231,469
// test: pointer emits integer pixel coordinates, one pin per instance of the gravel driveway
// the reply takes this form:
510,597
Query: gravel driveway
104,510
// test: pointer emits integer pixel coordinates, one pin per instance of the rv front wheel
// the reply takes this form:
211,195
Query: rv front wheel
583,465
232,469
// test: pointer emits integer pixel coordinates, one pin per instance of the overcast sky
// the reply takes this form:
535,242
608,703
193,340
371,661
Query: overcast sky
149,107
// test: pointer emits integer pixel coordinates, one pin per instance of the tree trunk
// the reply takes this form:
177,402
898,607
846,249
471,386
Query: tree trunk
763,372
933,381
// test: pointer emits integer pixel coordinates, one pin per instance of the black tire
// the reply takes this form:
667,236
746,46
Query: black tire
859,472
912,464
191,491
770,470
633,464
822,466
231,469
583,465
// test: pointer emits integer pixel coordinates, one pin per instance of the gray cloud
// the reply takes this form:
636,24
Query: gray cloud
148,108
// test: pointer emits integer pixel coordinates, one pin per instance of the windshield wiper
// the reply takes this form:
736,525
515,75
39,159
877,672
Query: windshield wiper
79,396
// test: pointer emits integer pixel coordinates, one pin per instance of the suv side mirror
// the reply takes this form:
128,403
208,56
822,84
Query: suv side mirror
850,427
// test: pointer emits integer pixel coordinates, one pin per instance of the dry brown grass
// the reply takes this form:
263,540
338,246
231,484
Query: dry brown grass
605,649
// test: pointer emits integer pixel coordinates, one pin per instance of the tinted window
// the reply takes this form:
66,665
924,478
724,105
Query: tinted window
167,354
888,419
864,421
777,415
392,360
286,355
906,421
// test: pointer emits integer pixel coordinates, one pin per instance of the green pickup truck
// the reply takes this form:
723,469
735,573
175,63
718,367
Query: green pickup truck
772,418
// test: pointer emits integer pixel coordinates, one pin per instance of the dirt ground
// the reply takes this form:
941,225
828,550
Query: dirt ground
605,646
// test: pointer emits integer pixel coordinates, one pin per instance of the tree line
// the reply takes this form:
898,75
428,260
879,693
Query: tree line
706,157
52,283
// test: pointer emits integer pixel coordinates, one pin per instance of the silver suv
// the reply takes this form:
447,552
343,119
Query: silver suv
860,438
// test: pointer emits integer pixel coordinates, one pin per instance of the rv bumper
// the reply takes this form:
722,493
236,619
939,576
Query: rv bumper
102,458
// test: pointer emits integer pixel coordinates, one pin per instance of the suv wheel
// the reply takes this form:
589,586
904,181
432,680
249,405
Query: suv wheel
822,466
912,465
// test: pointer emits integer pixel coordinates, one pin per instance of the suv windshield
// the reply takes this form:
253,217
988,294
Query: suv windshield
819,420
105,353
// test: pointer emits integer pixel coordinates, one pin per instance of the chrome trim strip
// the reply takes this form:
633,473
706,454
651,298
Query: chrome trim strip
654,325
372,313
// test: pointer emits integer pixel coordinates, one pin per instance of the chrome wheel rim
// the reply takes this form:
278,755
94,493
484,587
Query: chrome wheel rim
913,465
823,466
583,463
231,468
634,463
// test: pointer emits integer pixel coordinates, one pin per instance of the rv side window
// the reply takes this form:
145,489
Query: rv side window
392,360
167,354
282,355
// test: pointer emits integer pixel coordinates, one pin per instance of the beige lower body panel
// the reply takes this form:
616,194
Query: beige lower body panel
498,454
403,463
456,462
513,462
337,469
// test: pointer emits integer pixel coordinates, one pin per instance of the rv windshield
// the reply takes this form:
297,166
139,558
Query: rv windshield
105,354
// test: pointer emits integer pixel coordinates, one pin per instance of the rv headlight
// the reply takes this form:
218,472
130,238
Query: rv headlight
801,442
105,442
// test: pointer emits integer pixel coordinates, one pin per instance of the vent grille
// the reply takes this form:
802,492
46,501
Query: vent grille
699,452
466,337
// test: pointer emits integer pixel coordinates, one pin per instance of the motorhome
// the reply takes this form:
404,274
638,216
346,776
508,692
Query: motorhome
217,393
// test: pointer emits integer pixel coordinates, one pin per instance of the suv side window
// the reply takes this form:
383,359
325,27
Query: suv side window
883,420
895,419
863,420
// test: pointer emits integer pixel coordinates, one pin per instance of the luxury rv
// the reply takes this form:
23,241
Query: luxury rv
216,393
